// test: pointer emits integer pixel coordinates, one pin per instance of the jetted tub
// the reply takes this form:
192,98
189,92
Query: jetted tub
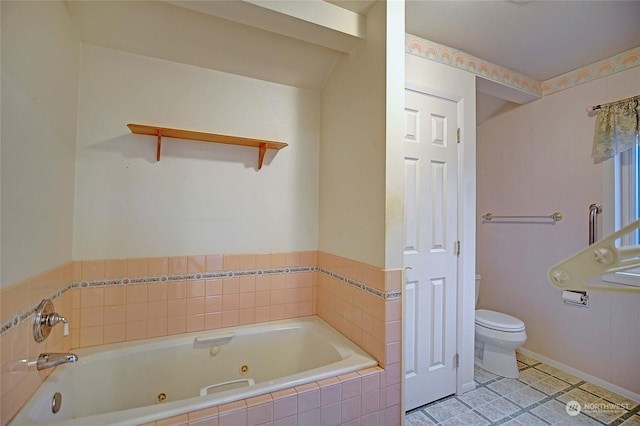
138,382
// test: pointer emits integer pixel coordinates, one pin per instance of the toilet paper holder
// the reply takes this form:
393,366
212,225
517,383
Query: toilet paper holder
576,298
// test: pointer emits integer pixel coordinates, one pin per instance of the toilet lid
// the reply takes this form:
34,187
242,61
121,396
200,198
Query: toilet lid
498,321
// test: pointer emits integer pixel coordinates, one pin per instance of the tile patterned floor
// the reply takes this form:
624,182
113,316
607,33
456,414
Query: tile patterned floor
538,397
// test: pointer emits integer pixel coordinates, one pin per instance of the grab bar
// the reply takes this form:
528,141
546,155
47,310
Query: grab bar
204,391
209,340
594,210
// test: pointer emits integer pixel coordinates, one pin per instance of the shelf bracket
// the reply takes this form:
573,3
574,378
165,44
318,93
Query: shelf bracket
159,144
262,151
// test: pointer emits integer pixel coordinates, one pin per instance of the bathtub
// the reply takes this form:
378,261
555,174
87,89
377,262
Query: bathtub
137,382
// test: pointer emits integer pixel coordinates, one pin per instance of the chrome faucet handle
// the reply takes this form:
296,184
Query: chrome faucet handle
45,319
54,318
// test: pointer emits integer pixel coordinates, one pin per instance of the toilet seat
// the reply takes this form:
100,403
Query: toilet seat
498,321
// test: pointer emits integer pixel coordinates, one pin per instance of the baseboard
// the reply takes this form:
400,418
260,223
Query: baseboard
581,374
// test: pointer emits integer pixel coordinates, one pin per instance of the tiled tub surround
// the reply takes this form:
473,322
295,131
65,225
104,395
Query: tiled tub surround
372,322
130,299
182,295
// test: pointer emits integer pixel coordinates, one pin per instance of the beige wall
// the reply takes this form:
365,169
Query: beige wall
40,60
353,149
200,197
395,123
536,159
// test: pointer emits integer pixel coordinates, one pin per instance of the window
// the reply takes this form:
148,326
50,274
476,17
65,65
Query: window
623,177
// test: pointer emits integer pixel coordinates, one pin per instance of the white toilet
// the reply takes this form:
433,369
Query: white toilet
498,336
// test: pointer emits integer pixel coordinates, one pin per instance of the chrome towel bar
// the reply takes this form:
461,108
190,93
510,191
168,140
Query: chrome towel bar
556,216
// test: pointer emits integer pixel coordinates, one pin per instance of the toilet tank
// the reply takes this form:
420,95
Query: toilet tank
477,288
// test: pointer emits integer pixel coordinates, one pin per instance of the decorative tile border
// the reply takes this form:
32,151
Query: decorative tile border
603,68
196,276
464,61
27,314
457,58
386,296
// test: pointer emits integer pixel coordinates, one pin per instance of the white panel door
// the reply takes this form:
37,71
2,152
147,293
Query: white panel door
431,186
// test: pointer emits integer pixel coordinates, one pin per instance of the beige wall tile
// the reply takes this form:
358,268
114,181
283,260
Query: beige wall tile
93,269
115,268
137,267
158,265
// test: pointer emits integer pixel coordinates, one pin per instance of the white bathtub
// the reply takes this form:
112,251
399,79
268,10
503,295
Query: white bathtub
119,384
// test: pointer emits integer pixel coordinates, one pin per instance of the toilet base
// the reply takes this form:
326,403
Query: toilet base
497,360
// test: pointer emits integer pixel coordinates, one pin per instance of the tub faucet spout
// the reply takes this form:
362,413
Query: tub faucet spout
54,359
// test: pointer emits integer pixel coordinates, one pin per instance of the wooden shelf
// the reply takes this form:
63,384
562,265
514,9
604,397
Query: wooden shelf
159,132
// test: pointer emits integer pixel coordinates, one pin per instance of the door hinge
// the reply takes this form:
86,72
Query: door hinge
456,360
458,134
456,248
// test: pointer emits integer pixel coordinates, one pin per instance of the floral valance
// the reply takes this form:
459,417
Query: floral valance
617,128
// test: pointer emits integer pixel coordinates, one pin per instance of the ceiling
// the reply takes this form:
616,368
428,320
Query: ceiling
299,46
541,39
